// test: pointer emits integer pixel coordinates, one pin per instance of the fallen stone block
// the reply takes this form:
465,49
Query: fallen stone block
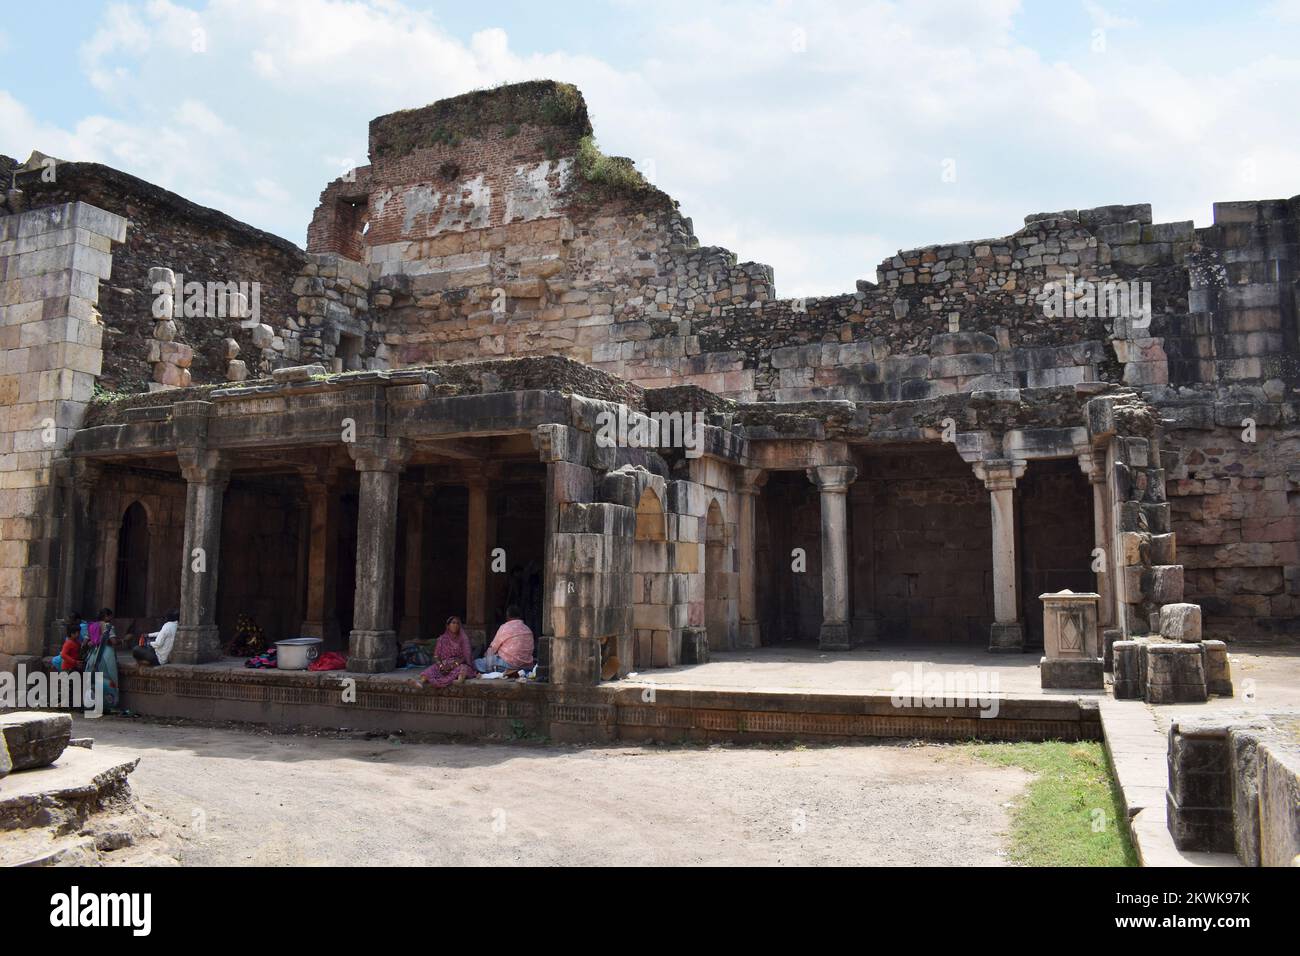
1175,674
1127,670
1084,673
1218,672
1199,798
1181,622
34,738
297,373
1109,638
6,764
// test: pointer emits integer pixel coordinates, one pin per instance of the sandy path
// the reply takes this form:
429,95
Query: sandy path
243,796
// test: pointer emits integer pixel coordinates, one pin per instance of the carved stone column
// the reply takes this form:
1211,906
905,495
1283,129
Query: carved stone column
372,645
476,568
1007,634
749,482
206,475
833,483
323,508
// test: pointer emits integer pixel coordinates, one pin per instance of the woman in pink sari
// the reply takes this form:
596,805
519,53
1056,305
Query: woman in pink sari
452,658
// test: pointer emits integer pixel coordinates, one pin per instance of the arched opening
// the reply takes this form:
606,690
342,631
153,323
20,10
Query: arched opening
651,586
132,563
717,579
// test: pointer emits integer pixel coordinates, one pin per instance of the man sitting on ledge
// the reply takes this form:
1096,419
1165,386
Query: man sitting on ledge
511,650
159,649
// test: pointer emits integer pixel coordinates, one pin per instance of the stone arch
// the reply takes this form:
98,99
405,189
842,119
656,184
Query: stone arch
131,596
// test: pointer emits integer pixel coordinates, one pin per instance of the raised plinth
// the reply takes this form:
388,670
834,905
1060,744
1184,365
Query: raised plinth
372,652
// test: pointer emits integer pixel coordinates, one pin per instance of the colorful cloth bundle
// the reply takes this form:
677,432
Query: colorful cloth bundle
266,659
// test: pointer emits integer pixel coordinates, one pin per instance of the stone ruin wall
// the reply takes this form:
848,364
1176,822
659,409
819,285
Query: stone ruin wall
471,238
166,231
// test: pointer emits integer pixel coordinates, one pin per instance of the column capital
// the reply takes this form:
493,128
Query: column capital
832,479
1000,474
749,481
1091,463
380,454
202,465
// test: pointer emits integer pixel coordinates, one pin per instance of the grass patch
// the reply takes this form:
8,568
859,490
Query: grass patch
615,175
1071,814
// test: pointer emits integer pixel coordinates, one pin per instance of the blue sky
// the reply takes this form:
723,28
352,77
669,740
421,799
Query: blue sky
812,136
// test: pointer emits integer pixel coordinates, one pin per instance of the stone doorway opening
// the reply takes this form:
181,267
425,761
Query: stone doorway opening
132,592
921,547
1054,521
788,561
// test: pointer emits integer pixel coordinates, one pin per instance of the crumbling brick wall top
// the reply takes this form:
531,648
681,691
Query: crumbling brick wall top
559,107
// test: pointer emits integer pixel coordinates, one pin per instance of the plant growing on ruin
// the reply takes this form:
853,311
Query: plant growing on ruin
616,173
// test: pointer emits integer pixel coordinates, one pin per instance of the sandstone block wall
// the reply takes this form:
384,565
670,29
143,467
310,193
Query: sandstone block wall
52,261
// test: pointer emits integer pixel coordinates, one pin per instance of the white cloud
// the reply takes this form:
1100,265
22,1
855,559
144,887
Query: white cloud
817,151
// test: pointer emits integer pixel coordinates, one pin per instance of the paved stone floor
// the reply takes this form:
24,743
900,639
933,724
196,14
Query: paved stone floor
1273,673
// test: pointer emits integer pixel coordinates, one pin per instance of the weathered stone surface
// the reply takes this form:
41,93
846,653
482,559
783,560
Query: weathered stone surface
1072,672
1218,673
34,738
1279,804
1174,674
1181,622
6,762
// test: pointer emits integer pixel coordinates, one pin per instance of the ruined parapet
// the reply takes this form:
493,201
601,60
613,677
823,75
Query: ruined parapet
334,324
197,244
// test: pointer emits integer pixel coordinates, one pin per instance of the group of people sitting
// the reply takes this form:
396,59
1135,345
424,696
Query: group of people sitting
91,648
509,654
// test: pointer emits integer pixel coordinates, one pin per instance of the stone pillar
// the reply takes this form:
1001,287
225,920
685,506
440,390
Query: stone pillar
1094,466
372,645
320,619
866,622
106,561
411,506
77,481
749,482
197,638
1007,634
566,658
833,483
476,568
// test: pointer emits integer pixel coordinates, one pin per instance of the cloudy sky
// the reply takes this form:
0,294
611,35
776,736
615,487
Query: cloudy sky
819,137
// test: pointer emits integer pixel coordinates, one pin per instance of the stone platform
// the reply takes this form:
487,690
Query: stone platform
669,705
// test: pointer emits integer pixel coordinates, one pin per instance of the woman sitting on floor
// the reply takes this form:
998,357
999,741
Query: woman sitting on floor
452,658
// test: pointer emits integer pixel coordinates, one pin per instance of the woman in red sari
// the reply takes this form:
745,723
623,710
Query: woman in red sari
452,658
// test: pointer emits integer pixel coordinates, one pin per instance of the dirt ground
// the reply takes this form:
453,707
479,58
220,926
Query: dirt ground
237,795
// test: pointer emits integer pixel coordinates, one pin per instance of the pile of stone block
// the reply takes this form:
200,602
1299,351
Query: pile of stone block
171,360
333,301
1234,787
32,739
